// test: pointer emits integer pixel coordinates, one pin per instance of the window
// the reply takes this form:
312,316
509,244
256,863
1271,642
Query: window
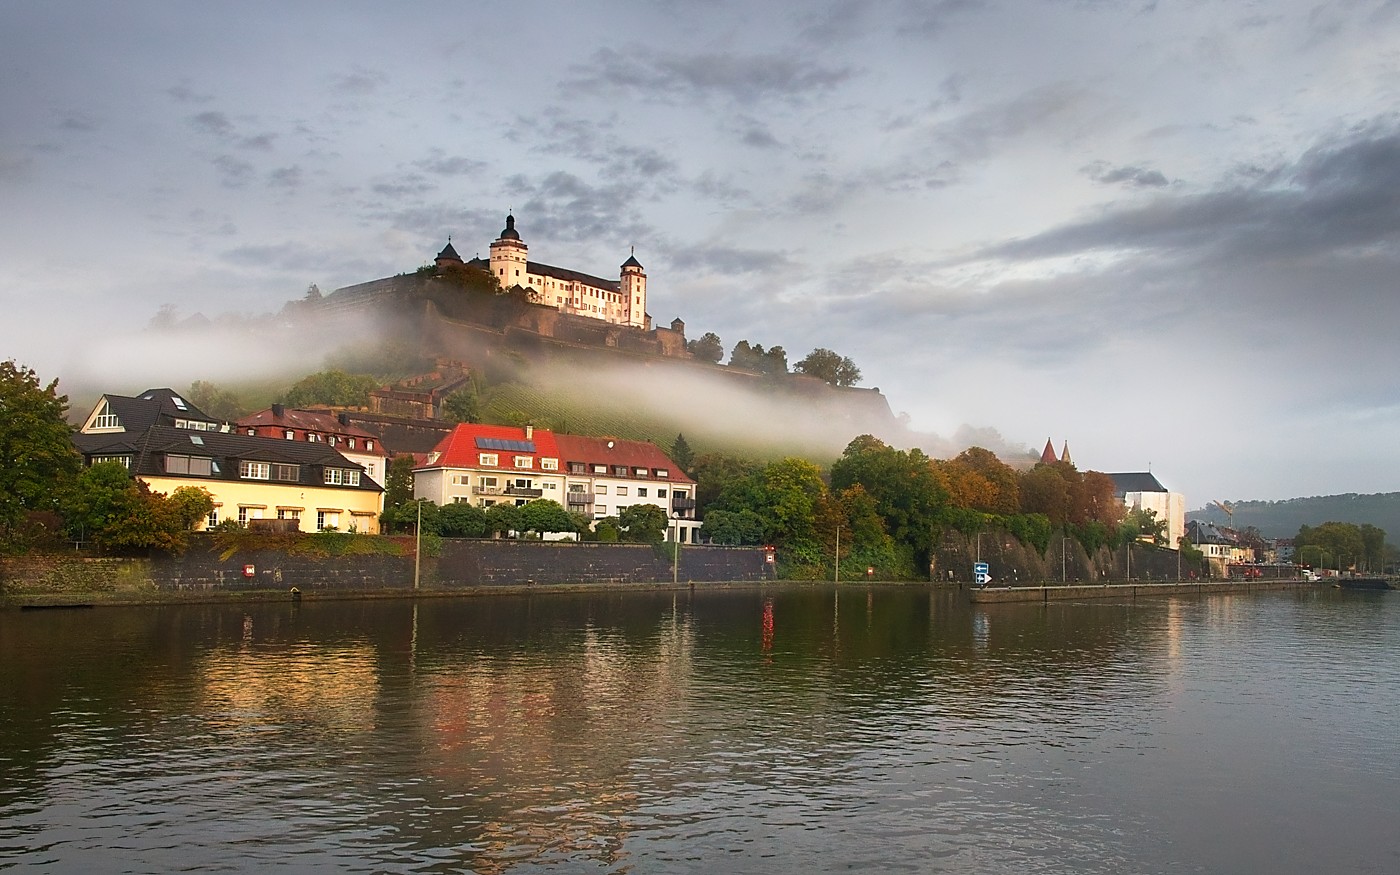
255,470
249,512
619,470
243,516
622,490
548,485
350,442
549,464
252,432
213,519
524,461
289,513
660,493
124,460
331,440
286,473
342,477
600,511
488,459
369,446
489,482
639,472
200,465
107,418
327,520
600,488
641,492
578,468
575,487
662,472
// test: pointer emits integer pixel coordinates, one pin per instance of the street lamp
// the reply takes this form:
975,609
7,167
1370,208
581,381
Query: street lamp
676,557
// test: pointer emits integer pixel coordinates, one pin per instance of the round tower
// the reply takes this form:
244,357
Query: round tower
509,256
448,256
634,290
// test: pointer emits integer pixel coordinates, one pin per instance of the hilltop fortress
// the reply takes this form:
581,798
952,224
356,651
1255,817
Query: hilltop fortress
551,313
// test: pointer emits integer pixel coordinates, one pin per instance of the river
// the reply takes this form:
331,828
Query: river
777,730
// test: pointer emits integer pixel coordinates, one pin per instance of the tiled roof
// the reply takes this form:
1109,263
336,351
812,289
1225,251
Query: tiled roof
1142,481
153,407
307,420
613,451
460,449
559,273
149,446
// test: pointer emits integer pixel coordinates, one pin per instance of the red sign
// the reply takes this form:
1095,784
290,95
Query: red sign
248,570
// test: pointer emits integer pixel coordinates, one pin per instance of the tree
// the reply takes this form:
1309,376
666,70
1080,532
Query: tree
714,471
36,446
398,482
832,367
461,520
709,348
733,527
903,484
642,524
214,401
333,388
1143,521
545,515
462,406
681,453
502,519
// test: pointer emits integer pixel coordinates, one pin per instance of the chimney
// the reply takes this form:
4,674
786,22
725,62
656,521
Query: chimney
278,410
344,418
529,432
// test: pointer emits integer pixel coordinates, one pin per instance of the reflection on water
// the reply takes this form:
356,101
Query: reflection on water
763,730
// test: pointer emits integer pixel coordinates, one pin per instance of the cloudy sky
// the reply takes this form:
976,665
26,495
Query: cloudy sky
1168,233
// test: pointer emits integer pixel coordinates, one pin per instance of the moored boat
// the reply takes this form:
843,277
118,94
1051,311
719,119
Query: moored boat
1363,583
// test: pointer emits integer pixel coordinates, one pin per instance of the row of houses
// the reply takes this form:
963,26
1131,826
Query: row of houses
320,470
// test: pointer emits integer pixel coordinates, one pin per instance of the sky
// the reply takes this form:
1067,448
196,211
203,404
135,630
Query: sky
1167,233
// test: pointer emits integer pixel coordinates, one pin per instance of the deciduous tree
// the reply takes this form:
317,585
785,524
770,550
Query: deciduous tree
35,445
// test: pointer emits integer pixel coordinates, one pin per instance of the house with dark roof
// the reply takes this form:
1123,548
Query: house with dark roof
320,426
1141,490
114,413
249,477
490,464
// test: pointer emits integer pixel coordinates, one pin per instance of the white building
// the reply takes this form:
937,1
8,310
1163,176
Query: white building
1142,491
619,302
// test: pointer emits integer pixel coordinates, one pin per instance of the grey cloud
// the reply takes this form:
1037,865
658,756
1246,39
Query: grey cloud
594,142
1341,194
359,82
261,142
213,122
443,165
728,261
78,122
563,206
15,167
1139,177
407,185
434,222
929,19
184,94
738,77
235,173
285,177
976,134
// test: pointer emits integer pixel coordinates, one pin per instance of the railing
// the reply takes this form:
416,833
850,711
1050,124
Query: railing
486,490
523,492
682,504
581,499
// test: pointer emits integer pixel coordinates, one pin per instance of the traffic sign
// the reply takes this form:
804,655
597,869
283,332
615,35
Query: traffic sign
981,568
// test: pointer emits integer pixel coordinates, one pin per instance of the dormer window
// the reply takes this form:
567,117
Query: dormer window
106,418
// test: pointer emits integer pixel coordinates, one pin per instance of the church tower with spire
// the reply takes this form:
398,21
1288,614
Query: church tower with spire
1047,456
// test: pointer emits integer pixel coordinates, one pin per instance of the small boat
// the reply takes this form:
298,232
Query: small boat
1372,583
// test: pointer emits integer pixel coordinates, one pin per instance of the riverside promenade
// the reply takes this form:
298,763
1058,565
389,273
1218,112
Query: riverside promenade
1000,594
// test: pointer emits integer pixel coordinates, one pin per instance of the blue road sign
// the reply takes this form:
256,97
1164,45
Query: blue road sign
981,568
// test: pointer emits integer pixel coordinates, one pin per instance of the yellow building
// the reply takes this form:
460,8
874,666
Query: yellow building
249,477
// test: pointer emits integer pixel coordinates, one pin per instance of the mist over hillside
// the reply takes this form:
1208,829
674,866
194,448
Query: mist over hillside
1282,519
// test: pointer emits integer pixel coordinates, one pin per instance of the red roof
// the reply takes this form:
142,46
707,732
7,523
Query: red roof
614,451
307,420
1048,456
461,449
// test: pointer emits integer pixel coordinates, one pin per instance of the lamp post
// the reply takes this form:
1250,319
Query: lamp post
417,543
836,574
676,557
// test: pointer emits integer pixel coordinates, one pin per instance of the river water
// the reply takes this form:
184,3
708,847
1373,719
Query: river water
753,730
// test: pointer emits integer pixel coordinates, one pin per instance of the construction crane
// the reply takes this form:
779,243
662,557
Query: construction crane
1229,510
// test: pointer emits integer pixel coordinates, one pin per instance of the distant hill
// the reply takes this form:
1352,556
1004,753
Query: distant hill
1282,519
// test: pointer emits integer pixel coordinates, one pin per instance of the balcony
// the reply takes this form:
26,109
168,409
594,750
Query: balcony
679,503
486,490
523,492
580,499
